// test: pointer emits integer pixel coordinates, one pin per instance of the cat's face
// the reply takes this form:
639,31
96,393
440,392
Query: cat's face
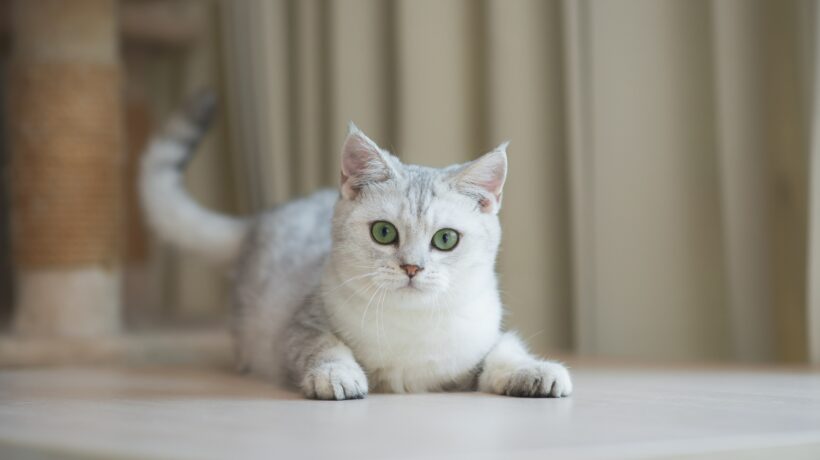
412,232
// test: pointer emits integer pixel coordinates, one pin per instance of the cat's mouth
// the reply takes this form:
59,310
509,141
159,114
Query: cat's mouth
411,285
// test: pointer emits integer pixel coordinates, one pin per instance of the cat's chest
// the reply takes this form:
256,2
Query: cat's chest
424,350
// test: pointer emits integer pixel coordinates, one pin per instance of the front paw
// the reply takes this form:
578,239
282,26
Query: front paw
541,379
335,380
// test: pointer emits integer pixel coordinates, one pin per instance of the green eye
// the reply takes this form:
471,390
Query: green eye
384,232
445,239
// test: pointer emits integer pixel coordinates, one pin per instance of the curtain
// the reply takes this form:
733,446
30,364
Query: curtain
811,19
657,203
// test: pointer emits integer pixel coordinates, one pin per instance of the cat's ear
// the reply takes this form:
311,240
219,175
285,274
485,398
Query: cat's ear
363,163
484,178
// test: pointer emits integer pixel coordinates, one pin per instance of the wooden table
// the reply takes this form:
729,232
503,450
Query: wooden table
616,412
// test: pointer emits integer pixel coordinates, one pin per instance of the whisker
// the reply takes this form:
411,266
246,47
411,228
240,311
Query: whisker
359,291
380,326
344,283
364,314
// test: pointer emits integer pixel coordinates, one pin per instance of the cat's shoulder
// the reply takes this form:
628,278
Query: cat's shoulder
306,210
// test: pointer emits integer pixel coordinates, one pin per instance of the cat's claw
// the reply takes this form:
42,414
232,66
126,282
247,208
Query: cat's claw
335,381
539,380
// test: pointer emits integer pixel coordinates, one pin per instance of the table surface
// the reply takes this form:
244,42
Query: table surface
616,412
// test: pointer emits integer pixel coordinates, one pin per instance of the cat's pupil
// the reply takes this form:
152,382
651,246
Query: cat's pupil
445,237
384,231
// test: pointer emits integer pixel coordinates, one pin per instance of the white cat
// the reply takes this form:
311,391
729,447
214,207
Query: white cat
387,284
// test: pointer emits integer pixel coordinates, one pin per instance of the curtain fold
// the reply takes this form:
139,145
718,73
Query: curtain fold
740,107
812,13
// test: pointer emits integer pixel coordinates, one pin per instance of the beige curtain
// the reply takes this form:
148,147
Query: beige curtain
811,20
657,201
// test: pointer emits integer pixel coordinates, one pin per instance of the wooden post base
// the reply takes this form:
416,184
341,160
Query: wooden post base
210,348
77,302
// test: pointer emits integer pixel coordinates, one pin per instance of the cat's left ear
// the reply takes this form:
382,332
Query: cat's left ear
484,179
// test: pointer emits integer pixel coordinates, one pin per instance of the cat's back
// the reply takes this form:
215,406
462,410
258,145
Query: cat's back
298,225
279,267
289,238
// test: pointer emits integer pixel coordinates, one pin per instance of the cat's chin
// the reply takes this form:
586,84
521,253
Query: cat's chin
416,293
411,289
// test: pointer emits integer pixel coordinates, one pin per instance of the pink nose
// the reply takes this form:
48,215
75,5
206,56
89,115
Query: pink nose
411,269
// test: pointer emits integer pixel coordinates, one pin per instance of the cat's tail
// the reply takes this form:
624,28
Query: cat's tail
170,210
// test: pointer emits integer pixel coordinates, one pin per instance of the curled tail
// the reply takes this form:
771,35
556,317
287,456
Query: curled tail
170,210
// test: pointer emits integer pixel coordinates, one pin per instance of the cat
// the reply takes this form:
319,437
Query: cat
387,284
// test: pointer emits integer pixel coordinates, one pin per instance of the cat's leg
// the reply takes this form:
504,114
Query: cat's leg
322,365
509,369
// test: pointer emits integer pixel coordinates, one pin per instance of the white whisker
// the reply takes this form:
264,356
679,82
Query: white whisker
344,283
364,314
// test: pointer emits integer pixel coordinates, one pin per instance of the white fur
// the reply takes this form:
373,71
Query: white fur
279,267
340,378
510,364
169,209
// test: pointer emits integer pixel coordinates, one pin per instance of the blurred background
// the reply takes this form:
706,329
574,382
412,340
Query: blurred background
660,200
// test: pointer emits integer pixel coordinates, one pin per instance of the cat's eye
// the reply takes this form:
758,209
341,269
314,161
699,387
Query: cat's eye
445,239
384,232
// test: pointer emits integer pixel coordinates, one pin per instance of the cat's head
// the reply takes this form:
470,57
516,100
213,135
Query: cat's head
415,232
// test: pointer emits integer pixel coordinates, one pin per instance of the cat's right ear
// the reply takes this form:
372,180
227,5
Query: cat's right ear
363,163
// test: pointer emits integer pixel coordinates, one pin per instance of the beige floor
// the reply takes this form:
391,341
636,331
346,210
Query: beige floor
617,412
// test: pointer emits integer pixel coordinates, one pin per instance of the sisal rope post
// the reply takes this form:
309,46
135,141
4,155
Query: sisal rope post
66,167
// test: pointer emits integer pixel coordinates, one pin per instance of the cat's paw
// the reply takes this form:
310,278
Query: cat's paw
335,380
542,379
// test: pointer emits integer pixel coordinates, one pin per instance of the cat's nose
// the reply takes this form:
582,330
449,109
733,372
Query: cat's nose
411,270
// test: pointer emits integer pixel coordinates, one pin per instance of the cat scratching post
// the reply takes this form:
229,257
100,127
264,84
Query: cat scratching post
64,121
66,171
